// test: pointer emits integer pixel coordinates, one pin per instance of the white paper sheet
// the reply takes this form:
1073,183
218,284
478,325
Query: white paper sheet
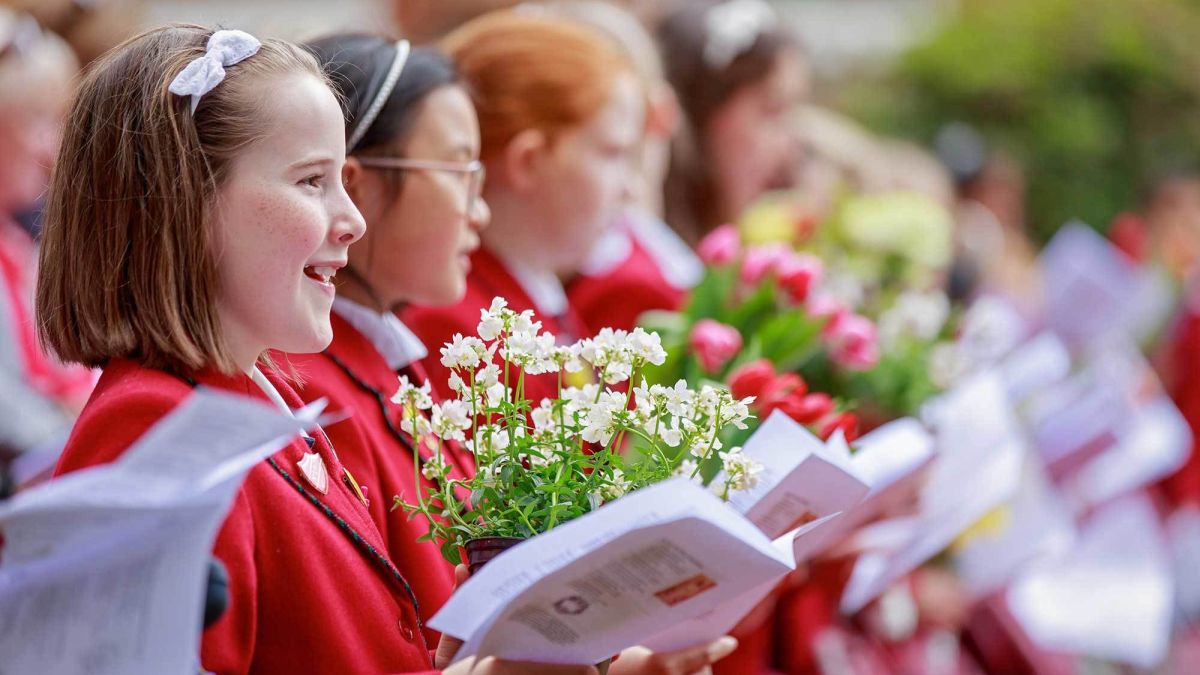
1036,364
801,480
630,573
979,489
104,570
1154,444
1034,524
1110,596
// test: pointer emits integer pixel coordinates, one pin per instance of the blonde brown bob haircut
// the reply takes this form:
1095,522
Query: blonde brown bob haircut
127,264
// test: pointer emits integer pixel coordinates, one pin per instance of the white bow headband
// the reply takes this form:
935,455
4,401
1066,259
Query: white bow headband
385,90
225,48
731,28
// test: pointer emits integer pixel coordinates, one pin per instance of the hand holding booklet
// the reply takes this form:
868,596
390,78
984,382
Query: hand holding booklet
668,567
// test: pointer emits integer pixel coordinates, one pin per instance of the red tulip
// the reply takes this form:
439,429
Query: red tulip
847,422
797,274
752,379
807,409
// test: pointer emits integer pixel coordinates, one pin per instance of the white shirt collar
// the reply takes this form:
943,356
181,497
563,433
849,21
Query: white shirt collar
675,260
269,389
543,287
398,345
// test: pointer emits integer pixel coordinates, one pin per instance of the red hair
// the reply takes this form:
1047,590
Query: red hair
532,71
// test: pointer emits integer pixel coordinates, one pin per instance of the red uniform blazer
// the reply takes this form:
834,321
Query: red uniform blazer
357,381
616,298
311,587
488,279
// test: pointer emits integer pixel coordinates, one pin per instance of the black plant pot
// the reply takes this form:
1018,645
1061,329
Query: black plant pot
482,550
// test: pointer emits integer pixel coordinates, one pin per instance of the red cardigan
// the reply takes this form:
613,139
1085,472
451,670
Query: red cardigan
357,381
488,279
311,586
616,298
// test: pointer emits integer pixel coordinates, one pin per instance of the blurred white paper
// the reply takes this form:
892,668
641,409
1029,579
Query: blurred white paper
1110,596
801,480
104,569
668,566
1155,443
1092,290
1035,523
963,500
1036,364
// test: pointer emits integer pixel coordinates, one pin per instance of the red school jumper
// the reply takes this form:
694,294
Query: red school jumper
311,587
356,379
488,279
616,295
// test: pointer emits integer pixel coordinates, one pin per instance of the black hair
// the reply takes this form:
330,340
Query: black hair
357,65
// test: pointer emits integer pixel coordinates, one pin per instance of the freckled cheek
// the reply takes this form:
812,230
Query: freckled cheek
293,228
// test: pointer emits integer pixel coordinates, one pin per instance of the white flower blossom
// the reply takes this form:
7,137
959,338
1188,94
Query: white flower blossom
464,352
616,488
413,396
450,419
916,314
435,468
741,471
491,320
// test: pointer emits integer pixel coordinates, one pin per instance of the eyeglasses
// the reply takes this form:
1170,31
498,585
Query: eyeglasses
474,170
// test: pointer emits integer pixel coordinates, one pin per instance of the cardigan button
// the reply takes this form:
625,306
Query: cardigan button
406,630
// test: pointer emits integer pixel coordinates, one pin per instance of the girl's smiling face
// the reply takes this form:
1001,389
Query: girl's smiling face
282,225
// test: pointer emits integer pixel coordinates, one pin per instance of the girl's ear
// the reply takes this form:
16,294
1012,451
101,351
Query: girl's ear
523,159
352,177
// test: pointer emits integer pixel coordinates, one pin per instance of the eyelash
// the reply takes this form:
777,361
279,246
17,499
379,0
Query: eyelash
313,180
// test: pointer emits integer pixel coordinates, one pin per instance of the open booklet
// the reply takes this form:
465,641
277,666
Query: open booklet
667,567
811,494
103,570
981,452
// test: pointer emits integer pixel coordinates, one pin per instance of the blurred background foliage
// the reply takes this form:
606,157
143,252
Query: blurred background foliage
1098,99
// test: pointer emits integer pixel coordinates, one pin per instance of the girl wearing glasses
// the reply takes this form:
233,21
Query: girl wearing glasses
561,115
413,171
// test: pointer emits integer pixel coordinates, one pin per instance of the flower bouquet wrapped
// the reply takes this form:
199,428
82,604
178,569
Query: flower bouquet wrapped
542,463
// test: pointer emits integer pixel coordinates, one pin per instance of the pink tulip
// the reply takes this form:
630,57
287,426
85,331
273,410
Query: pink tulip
721,246
825,306
759,261
714,344
798,273
853,341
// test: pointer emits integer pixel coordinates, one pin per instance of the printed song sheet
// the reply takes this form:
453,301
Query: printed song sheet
104,570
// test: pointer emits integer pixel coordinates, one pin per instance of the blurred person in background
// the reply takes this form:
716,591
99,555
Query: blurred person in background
38,396
739,76
639,264
428,20
561,113
993,242
90,27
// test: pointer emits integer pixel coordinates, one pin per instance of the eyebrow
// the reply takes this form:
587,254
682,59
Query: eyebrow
310,162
